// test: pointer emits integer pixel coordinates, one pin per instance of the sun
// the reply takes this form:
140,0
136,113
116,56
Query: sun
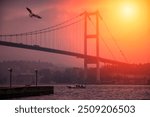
128,11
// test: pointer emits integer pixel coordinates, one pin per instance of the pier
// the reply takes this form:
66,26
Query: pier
16,92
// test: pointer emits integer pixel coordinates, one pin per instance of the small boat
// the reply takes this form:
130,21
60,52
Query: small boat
76,87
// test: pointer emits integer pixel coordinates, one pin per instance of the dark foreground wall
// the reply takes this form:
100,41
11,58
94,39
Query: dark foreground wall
8,93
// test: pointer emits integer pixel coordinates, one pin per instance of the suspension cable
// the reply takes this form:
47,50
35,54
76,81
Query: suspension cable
48,28
113,38
103,40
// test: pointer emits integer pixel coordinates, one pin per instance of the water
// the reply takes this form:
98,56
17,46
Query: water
98,92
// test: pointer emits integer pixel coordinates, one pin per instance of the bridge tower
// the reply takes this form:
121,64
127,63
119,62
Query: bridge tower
88,36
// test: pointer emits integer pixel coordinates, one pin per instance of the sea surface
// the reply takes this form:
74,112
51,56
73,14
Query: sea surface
97,92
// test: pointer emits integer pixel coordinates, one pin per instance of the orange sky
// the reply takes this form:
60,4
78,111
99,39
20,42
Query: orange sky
128,21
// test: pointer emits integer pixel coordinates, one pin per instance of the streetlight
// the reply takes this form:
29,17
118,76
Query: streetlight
10,80
36,75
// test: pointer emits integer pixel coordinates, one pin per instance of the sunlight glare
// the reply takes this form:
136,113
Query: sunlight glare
128,11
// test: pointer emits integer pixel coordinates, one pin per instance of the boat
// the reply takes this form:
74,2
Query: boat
78,86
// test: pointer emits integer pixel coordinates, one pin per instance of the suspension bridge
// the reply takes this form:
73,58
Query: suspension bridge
69,38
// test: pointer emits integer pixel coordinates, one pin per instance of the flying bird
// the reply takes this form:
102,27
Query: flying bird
32,14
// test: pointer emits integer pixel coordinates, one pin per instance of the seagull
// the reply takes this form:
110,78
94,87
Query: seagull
32,14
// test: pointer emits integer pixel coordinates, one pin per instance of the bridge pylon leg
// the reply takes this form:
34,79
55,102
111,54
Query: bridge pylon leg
91,36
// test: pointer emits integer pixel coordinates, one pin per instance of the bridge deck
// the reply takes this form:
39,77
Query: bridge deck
79,55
